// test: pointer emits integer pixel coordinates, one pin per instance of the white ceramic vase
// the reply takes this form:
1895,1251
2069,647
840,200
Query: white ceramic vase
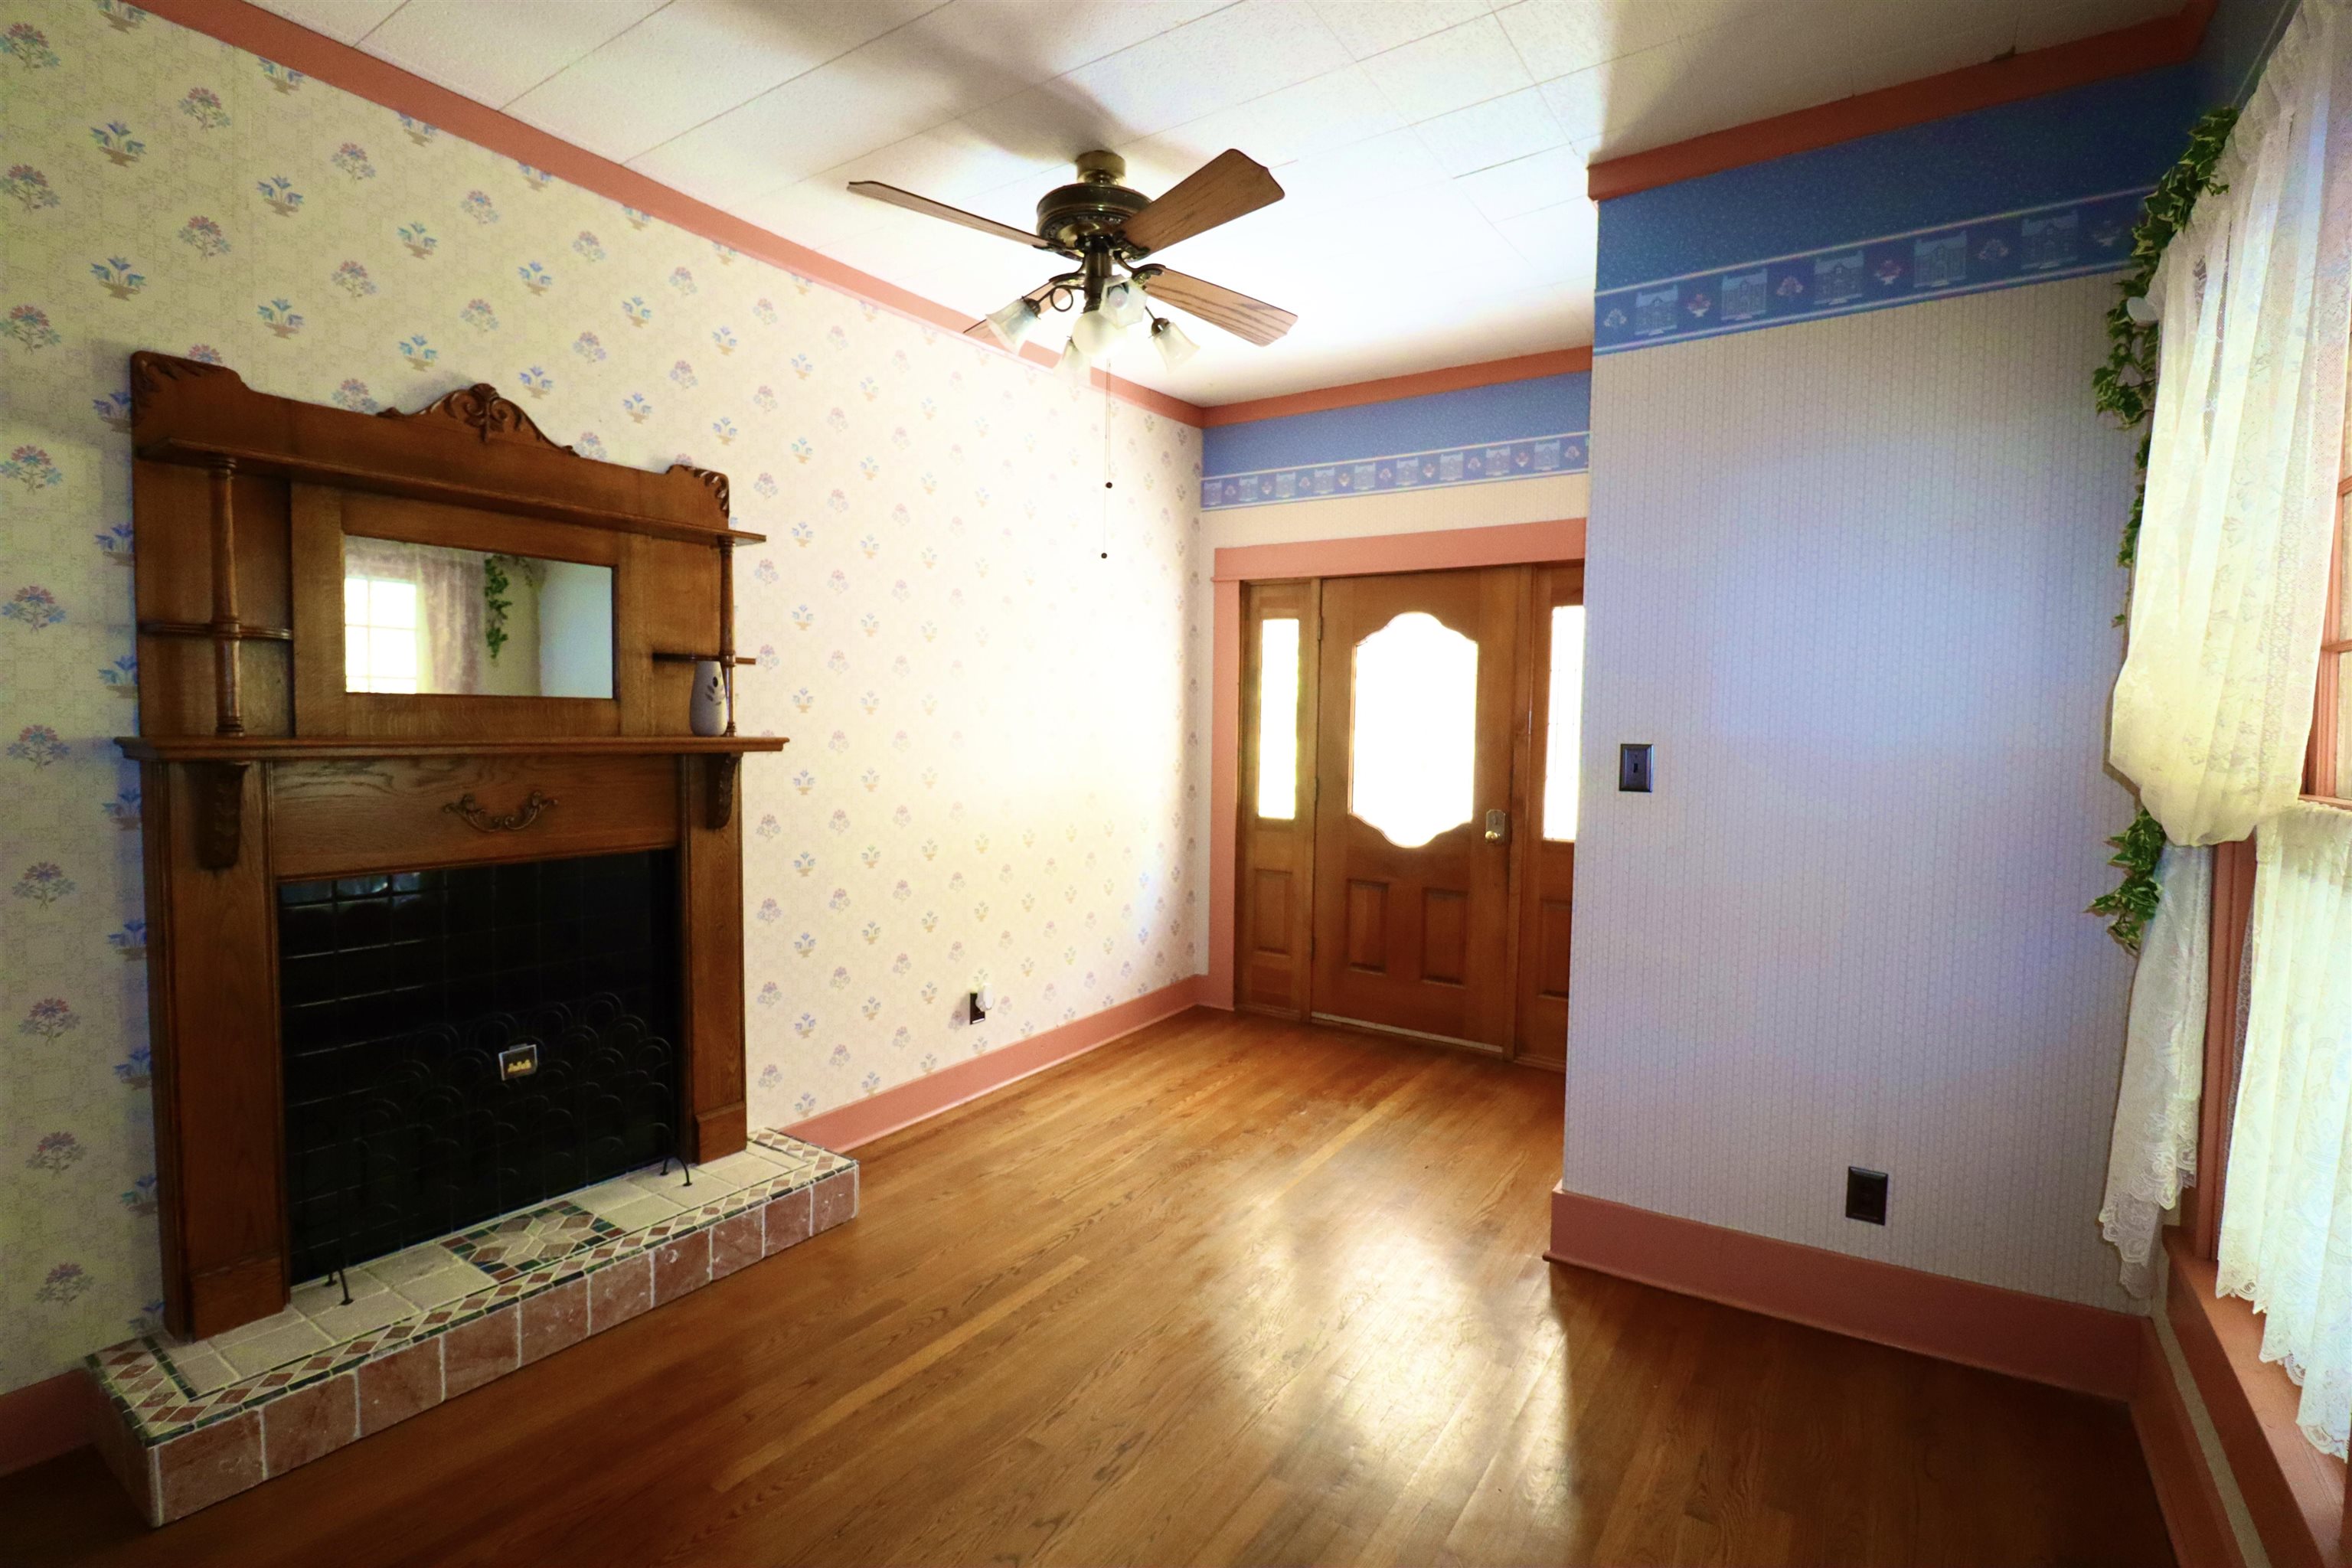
708,715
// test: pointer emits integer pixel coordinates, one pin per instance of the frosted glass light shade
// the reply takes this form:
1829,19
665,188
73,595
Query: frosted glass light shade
1074,362
1097,335
1123,303
1011,323
1174,344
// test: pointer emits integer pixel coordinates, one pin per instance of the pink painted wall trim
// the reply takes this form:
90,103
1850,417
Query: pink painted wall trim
1435,550
2193,1514
2063,1343
44,1419
845,1127
274,38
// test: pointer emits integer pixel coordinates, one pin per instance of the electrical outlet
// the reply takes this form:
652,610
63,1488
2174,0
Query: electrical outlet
1866,1195
1633,768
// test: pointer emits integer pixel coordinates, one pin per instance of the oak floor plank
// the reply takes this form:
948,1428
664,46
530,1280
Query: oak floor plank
1233,1290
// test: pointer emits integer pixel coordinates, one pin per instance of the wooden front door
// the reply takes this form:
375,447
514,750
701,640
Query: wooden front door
1408,803
1413,814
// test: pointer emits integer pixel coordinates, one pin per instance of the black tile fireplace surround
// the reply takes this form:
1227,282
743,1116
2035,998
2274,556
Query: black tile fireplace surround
409,1110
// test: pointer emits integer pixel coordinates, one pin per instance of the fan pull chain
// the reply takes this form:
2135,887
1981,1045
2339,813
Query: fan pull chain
1105,507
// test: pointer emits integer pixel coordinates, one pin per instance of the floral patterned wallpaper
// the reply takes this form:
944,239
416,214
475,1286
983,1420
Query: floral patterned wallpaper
997,769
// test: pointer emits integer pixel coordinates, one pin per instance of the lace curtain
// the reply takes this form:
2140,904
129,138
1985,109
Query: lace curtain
2286,1235
448,602
2154,1151
2213,704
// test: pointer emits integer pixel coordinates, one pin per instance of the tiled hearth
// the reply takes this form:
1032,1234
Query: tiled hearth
185,1425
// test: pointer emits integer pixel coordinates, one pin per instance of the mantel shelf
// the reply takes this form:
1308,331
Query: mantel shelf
344,748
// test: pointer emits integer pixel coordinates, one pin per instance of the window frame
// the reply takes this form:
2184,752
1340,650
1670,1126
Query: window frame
2300,1499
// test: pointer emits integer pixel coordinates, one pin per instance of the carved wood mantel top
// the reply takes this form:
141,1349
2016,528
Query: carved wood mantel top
472,447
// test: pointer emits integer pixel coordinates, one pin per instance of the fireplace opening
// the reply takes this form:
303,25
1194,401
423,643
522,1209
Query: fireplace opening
462,1043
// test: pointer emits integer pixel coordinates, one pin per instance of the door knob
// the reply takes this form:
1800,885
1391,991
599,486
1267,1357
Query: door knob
1499,826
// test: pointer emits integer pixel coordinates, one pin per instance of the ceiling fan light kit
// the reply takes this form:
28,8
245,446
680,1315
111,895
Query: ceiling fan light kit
1096,335
1174,343
1012,324
1108,228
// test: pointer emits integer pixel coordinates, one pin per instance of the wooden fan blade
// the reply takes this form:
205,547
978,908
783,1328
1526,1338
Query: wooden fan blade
1239,314
1219,190
929,208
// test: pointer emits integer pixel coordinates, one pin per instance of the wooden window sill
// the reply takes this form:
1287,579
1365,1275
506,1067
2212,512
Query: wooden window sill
2294,1492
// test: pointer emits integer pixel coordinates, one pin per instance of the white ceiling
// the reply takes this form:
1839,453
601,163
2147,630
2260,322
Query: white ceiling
1432,151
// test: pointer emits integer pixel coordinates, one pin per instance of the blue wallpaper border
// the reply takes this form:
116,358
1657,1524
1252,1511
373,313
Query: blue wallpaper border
2033,244
1486,462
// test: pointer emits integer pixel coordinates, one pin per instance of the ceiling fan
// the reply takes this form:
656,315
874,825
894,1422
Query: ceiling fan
1109,228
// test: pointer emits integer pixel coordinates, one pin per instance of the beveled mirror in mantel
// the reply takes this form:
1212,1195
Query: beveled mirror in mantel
430,618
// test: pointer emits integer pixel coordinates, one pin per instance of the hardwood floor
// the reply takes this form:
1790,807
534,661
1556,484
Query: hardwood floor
1231,1290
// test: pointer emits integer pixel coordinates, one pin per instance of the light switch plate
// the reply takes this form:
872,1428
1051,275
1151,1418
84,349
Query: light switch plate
1633,768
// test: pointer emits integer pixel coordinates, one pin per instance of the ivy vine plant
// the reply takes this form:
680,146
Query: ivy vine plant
2124,388
494,605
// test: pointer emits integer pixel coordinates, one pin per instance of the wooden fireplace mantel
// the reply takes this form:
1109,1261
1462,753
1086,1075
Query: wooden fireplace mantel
258,767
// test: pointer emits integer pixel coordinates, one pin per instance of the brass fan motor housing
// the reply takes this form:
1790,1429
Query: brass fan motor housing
1096,205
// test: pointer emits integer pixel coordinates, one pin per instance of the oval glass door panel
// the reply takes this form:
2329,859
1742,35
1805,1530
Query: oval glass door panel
1413,746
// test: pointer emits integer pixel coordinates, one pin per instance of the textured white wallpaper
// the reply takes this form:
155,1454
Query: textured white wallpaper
990,670
1853,580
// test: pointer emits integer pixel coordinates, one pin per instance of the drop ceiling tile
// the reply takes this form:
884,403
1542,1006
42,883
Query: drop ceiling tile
1554,39
1929,52
1449,70
444,41
2060,21
1377,175
1590,102
1559,242
1369,27
1495,131
1047,37
1524,185
695,59
908,80
949,162
345,21
1335,109
1229,57
1046,126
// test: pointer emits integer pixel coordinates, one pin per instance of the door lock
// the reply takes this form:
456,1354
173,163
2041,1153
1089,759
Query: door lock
1499,826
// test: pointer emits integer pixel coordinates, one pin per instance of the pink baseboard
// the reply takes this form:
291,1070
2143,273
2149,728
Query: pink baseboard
2193,1514
845,1127
42,1420
2062,1343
